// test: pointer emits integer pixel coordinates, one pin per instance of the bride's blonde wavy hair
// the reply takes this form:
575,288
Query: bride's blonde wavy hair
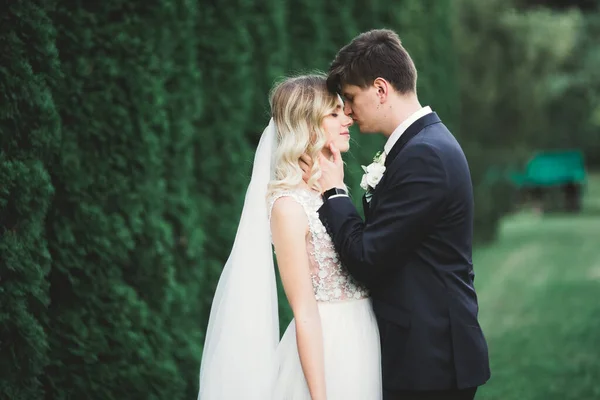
298,106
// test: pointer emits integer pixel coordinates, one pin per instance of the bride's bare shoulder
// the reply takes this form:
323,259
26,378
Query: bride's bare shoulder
288,214
284,206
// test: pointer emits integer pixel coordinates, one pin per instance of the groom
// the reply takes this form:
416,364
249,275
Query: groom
413,251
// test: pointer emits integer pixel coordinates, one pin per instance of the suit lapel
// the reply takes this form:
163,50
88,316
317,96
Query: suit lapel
366,207
412,131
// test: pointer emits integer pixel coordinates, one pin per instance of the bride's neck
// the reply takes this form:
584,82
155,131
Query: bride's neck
327,153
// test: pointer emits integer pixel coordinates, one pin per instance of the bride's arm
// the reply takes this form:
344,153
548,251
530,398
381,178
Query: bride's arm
289,227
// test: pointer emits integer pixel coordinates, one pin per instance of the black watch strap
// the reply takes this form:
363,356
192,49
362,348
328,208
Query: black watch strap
333,191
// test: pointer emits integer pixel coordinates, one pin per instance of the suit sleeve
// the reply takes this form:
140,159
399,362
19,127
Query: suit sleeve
406,209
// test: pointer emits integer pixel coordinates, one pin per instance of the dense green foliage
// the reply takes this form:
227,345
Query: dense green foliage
29,137
127,131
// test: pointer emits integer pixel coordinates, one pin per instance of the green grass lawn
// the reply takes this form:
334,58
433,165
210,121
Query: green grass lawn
539,292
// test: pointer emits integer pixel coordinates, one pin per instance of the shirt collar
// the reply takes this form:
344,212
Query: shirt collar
403,126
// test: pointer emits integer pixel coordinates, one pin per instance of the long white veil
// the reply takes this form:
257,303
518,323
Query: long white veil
238,360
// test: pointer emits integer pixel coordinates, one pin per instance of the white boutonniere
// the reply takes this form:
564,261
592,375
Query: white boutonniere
373,174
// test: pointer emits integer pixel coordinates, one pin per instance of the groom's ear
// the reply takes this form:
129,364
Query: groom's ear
383,89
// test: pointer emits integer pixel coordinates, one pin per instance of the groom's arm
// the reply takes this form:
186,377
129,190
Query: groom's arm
406,208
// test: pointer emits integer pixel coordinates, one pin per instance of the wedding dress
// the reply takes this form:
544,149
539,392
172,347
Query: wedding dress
350,333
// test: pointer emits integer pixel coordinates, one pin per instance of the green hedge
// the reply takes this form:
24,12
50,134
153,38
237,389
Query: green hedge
29,135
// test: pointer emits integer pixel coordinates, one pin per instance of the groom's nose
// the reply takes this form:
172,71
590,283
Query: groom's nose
347,109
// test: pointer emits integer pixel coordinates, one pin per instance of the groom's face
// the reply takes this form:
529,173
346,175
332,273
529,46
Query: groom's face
361,104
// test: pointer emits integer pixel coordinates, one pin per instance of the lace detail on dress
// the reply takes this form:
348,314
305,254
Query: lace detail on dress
331,281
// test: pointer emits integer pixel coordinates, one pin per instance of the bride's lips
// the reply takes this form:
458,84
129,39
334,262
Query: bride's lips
345,133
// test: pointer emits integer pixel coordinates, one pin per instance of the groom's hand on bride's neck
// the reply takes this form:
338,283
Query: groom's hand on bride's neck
306,163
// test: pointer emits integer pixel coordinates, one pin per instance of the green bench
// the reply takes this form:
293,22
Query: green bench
551,171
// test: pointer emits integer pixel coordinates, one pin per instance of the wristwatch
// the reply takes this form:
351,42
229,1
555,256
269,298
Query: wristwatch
331,192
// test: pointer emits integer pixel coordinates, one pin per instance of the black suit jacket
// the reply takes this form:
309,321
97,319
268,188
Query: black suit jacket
413,252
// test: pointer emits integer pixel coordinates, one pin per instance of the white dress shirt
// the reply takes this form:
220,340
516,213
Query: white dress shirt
403,126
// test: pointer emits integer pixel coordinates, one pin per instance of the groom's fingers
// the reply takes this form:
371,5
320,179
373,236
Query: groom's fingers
324,162
337,157
305,162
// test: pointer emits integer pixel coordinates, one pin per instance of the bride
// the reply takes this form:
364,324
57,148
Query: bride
331,349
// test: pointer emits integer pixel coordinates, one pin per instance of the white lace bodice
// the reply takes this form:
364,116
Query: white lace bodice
331,282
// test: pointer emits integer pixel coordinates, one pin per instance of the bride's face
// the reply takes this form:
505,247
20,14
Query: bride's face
336,125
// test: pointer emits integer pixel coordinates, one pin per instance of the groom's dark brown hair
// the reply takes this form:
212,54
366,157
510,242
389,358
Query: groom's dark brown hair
377,53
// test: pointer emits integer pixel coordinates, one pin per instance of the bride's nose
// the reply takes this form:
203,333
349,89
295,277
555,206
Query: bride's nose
349,121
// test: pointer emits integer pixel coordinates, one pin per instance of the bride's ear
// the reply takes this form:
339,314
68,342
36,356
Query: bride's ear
313,138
